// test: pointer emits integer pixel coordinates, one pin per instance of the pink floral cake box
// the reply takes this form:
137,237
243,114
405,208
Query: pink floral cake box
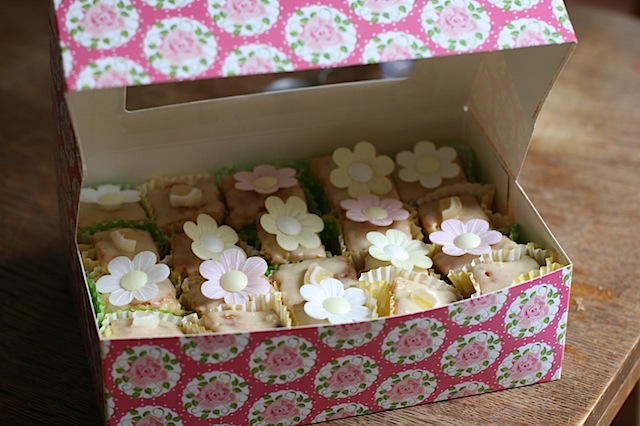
479,71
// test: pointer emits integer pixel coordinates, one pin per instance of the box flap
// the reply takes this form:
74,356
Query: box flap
114,43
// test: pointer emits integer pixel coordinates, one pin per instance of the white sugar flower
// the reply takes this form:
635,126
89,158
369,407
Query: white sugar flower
331,301
109,197
398,249
290,222
209,239
427,164
133,279
361,171
458,238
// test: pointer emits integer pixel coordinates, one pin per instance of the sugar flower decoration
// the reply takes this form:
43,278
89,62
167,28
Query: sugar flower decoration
234,277
428,165
458,238
265,179
290,222
370,208
132,279
109,197
398,249
331,301
361,171
209,239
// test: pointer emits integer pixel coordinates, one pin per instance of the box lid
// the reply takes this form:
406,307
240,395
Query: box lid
118,43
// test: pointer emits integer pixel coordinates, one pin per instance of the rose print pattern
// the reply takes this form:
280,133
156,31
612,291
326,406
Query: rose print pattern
282,359
214,395
514,4
102,24
477,310
146,371
320,35
168,4
532,311
463,389
150,416
180,47
405,389
110,72
456,25
382,11
255,59
346,376
471,354
349,336
341,411
560,11
413,341
394,46
527,32
561,330
67,59
214,349
525,365
111,403
284,408
244,17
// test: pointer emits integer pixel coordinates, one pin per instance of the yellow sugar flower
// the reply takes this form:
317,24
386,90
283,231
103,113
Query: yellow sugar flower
361,171
291,223
209,239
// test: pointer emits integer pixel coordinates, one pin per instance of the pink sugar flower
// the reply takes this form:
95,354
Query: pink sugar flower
265,179
458,238
234,277
370,208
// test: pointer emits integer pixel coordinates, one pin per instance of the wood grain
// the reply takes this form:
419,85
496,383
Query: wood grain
582,173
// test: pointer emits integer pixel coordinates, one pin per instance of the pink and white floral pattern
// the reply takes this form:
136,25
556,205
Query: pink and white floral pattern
285,408
150,415
168,4
463,389
67,59
146,371
394,46
456,25
349,336
112,71
341,411
561,330
282,359
214,349
560,12
471,353
514,4
346,376
255,59
413,341
405,389
527,32
180,47
382,11
477,310
244,17
532,311
320,35
102,24
525,365
215,394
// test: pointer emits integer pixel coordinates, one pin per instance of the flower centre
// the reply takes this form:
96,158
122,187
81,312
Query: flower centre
234,281
360,172
110,201
427,165
467,241
288,225
397,252
133,280
264,182
212,242
375,212
336,305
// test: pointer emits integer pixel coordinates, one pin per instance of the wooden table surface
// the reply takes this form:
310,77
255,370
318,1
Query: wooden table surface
582,172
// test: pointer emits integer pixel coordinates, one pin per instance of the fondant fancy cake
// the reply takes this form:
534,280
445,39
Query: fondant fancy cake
351,236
